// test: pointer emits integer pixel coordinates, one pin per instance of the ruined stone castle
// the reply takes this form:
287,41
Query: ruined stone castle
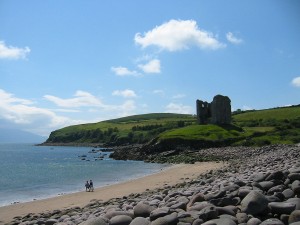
216,112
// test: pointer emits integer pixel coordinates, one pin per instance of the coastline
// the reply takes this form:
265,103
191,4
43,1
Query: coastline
169,176
72,144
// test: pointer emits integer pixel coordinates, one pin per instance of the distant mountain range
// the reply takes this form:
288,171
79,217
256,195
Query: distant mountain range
19,136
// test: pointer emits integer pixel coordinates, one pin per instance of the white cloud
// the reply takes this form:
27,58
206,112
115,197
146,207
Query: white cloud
232,39
179,108
178,96
125,93
82,98
176,35
85,99
66,110
128,106
7,98
245,108
152,66
296,82
23,113
159,92
143,58
123,71
125,109
10,52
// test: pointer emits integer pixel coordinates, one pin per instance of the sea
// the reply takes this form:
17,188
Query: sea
29,172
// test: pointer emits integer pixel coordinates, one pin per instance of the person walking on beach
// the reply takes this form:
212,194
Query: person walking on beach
91,185
87,186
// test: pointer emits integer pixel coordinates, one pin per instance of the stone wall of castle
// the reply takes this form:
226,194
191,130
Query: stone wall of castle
216,112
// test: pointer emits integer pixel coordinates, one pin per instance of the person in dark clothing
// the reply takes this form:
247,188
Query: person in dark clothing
91,185
87,186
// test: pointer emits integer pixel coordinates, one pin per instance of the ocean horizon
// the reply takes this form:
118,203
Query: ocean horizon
29,172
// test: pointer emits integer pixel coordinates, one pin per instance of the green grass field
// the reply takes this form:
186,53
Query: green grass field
132,129
206,132
261,127
267,114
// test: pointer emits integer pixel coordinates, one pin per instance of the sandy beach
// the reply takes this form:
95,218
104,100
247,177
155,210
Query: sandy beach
170,176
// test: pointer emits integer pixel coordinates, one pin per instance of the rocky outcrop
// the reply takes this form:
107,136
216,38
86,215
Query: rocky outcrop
178,151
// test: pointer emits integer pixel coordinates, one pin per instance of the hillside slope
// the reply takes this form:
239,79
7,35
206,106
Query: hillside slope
127,130
249,128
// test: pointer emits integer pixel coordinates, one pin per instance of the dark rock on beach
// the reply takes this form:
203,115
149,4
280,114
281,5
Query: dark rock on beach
254,203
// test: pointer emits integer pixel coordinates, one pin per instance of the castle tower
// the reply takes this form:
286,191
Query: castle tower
221,110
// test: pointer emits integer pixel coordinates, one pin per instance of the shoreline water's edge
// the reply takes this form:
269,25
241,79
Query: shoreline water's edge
171,176
97,187
74,191
32,172
72,144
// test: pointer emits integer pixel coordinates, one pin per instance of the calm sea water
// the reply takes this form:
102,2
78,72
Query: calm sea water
29,172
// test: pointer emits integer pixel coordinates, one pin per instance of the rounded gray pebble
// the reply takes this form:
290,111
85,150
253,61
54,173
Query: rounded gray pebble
254,203
296,187
96,221
120,220
272,221
254,221
294,217
288,193
221,221
166,220
282,207
140,221
142,210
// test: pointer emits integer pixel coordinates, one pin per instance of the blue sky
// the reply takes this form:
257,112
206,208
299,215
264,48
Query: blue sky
79,61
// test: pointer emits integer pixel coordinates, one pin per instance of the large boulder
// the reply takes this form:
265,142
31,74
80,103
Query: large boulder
294,176
254,203
120,220
254,221
51,222
296,201
272,221
288,193
208,213
142,210
277,175
96,221
281,207
166,220
140,221
221,221
199,197
160,212
266,185
242,217
112,213
296,187
294,217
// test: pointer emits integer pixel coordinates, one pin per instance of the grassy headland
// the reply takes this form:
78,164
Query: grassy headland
248,128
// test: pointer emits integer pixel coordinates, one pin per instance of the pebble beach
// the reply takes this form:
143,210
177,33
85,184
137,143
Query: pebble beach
251,186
